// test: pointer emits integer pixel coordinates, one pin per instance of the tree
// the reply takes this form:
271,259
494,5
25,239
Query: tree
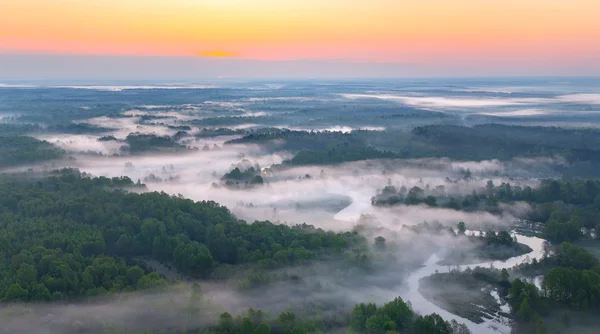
124,244
378,323
225,323
15,293
380,243
194,258
247,326
459,328
432,324
134,274
504,276
263,328
399,312
430,201
525,312
540,327
461,228
359,316
26,275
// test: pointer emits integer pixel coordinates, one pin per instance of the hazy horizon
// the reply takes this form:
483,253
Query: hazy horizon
150,67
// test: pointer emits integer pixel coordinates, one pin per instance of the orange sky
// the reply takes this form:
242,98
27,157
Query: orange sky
356,30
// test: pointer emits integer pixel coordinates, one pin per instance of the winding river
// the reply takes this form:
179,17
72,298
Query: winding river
496,325
410,291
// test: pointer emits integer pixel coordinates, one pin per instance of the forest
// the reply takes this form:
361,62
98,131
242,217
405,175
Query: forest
22,150
300,207
70,236
58,227
481,142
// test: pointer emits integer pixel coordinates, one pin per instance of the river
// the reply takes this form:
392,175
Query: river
496,325
410,291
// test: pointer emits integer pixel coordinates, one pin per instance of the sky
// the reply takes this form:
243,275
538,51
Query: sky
301,37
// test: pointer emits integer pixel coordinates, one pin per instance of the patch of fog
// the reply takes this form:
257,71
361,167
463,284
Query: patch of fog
504,307
344,129
244,126
126,125
537,281
136,311
478,102
497,90
516,113
254,114
17,86
5,115
394,218
285,98
580,98
193,174
151,107
118,88
81,143
225,104
444,102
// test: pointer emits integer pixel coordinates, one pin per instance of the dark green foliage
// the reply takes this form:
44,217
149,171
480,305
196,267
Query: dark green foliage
180,127
398,316
301,140
16,151
140,143
571,256
432,324
580,289
107,138
481,142
180,135
461,229
216,132
338,154
493,141
238,179
318,148
12,129
70,233
77,128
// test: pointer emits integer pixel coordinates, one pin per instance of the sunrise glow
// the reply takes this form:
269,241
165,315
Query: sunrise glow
555,33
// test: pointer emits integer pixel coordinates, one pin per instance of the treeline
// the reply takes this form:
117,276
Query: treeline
295,141
140,143
74,221
21,150
18,129
338,154
77,128
397,317
564,206
482,142
390,318
494,141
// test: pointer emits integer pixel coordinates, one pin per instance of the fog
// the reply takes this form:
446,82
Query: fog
334,198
